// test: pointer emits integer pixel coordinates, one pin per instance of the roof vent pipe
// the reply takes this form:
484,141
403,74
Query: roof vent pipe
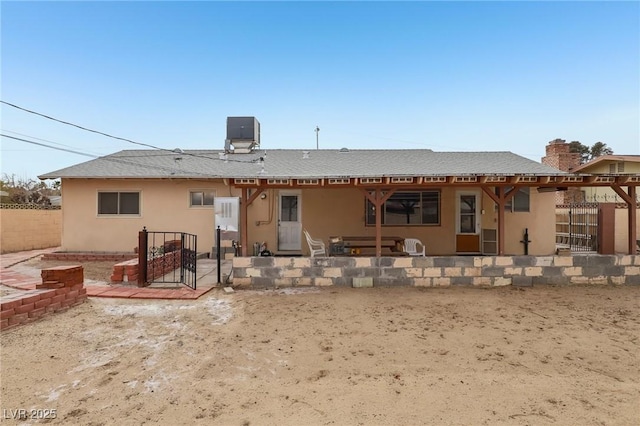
305,154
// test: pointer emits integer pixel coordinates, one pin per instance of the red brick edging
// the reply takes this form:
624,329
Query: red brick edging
77,257
62,287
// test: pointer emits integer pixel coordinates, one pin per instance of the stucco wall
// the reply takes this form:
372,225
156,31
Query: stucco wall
164,207
26,229
324,212
342,212
622,230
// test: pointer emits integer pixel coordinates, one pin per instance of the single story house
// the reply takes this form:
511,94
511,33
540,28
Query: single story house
454,202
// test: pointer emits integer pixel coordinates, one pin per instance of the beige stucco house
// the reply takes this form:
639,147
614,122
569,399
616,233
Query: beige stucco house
455,202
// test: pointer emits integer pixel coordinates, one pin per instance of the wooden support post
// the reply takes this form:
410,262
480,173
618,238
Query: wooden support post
633,223
378,205
378,201
500,197
630,199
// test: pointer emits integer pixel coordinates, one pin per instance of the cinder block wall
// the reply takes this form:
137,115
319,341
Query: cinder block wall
24,229
269,272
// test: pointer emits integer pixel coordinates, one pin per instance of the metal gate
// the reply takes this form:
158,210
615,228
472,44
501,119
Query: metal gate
171,257
577,227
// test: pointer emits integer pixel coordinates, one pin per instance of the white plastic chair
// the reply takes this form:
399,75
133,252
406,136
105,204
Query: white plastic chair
316,247
411,247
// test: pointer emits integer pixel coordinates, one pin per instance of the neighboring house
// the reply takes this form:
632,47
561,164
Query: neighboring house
455,202
614,165
621,167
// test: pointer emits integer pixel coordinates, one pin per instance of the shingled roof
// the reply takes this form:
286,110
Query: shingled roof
294,163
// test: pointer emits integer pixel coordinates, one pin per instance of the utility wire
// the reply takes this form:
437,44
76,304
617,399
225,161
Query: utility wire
38,139
50,146
106,158
117,137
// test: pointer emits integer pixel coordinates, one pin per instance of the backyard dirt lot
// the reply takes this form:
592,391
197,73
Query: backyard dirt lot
341,356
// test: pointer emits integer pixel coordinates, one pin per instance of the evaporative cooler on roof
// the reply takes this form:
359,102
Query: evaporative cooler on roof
243,135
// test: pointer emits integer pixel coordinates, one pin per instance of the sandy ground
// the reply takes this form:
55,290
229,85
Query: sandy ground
340,356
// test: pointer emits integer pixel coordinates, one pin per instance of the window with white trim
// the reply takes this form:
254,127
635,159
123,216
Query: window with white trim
118,203
408,208
201,198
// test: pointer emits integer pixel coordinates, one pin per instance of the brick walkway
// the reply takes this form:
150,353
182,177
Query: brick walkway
21,281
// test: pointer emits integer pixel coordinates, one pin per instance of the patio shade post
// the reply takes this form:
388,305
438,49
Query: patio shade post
500,197
633,224
378,200
378,205
630,199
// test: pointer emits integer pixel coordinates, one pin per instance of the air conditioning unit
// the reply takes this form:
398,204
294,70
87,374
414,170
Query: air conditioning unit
243,135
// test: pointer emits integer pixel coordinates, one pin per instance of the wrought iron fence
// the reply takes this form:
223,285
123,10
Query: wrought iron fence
577,227
171,257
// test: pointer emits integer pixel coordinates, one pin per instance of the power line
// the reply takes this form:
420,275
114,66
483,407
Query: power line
50,146
106,158
80,127
36,138
118,137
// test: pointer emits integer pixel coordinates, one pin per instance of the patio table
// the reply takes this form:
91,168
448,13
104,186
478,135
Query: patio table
356,245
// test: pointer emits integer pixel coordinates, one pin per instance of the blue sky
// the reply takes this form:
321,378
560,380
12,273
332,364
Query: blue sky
449,76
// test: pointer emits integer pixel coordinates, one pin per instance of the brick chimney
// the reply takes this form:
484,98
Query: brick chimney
558,156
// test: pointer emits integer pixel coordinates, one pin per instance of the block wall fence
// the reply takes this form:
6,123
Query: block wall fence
25,229
269,272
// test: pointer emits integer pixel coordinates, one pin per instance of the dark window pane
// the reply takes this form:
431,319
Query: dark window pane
407,208
196,198
289,208
208,199
107,203
403,208
468,204
521,200
129,203
467,224
431,207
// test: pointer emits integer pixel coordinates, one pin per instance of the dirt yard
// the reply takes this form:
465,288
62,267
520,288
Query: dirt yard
341,356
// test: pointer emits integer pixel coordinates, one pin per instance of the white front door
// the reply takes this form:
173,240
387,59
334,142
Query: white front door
289,225
468,222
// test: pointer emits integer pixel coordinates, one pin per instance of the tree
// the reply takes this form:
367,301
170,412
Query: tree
599,148
27,191
588,153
